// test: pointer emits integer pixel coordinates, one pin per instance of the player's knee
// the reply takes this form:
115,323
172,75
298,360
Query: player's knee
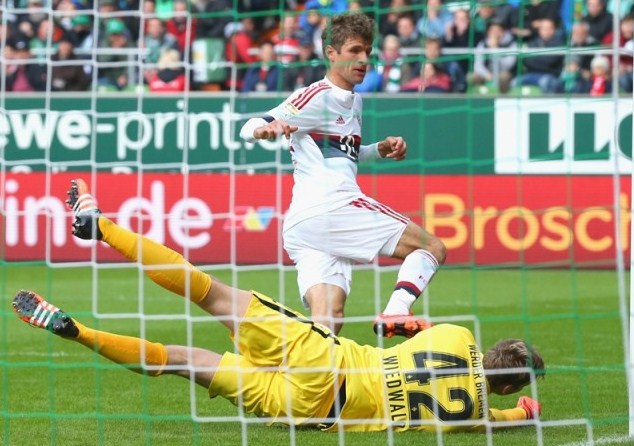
331,318
337,319
338,315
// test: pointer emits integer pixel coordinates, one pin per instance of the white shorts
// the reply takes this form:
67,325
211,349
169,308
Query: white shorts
324,247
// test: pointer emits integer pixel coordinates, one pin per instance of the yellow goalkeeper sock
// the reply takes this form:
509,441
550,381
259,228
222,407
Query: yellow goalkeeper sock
124,350
175,279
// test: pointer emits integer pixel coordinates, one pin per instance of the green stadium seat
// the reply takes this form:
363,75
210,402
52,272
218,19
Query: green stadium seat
484,90
107,89
136,88
526,90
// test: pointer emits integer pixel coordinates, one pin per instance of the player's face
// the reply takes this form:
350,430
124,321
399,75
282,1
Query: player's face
349,65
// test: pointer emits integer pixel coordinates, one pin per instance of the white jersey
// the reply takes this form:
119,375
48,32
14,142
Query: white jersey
325,148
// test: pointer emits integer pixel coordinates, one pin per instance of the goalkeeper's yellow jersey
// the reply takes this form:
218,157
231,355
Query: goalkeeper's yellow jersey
433,380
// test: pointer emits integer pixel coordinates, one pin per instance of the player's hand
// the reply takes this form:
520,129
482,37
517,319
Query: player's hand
532,408
393,147
274,129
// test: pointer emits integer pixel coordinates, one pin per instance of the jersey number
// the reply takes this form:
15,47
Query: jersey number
346,145
434,365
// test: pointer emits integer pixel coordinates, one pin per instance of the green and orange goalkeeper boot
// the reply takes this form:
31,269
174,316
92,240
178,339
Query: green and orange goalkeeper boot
35,311
86,211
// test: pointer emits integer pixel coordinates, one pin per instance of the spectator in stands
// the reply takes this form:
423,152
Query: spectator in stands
485,12
28,23
149,10
308,69
317,42
505,12
20,76
106,9
433,49
580,38
310,23
388,20
240,48
40,44
601,79
114,69
598,18
180,27
66,10
543,70
409,39
461,35
391,66
435,20
286,42
626,35
407,33
157,40
495,69
573,79
213,27
66,75
434,79
265,75
82,32
528,18
355,6
170,75
155,43
132,21
323,8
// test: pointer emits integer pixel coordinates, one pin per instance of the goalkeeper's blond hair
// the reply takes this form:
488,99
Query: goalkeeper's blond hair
509,354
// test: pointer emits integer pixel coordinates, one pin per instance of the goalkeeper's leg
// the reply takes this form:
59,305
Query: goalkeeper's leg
136,354
163,265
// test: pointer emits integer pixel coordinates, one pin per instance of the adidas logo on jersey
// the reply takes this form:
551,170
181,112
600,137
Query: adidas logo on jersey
340,120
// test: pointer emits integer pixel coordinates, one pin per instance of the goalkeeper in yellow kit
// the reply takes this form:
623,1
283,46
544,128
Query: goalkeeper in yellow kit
292,370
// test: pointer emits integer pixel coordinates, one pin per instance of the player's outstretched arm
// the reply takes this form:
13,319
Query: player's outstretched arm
258,128
527,409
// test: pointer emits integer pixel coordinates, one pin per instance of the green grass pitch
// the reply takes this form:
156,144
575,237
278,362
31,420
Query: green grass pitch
57,392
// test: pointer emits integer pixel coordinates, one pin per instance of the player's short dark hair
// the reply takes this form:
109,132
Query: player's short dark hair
512,354
344,26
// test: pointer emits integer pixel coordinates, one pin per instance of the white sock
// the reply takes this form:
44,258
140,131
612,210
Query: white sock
416,272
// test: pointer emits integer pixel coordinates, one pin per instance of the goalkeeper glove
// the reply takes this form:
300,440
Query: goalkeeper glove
532,408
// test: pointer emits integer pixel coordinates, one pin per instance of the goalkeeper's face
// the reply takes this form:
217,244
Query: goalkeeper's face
349,64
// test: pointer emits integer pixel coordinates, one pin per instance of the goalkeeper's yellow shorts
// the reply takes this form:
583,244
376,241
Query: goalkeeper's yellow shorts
287,366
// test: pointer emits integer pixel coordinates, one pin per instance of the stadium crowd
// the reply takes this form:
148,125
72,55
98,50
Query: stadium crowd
482,46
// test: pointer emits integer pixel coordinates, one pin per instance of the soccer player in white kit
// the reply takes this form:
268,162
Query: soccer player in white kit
330,223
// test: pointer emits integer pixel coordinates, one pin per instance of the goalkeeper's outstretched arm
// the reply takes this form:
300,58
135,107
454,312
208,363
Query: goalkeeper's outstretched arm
527,409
